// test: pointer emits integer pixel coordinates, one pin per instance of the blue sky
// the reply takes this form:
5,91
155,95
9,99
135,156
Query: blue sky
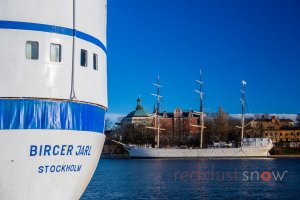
257,41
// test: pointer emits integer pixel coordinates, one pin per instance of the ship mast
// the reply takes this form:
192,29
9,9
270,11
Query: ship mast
243,109
157,122
201,113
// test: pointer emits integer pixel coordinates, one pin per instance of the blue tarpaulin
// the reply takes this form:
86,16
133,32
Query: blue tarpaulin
50,114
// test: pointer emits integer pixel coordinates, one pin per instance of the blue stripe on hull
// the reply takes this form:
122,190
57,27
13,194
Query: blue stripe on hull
46,114
51,29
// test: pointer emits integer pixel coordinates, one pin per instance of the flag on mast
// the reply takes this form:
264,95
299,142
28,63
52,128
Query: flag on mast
244,82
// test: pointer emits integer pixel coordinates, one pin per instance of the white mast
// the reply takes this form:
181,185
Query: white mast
243,107
201,114
157,123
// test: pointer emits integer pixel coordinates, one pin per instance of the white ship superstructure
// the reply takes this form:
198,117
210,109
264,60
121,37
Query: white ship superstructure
250,147
53,96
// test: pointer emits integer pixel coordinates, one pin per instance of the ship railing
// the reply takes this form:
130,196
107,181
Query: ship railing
256,142
221,145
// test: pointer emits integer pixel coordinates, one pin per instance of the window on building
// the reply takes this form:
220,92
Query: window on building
95,61
32,50
55,52
83,57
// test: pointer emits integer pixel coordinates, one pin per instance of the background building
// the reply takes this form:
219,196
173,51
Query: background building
177,127
282,131
138,116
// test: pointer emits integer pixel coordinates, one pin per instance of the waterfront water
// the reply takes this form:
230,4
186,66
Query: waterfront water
196,179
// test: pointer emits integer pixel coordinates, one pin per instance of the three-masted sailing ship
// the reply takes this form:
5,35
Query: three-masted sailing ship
250,147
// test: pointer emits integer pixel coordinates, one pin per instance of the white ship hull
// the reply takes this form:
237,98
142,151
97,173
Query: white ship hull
251,147
247,151
62,170
53,97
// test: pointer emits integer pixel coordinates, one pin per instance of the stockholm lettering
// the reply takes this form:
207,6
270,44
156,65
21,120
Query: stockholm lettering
59,168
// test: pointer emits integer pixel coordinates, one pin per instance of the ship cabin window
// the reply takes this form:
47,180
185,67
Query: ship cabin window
95,61
55,52
32,50
83,58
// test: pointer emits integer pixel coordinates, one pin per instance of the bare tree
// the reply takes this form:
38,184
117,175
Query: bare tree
221,125
108,124
257,129
168,138
266,116
137,134
128,133
119,119
298,119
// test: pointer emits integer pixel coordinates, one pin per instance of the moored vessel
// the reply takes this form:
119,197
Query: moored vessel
53,96
249,147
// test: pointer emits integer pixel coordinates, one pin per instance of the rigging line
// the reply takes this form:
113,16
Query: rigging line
242,151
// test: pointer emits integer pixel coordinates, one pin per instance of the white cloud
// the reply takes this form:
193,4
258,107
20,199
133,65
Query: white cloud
280,116
114,117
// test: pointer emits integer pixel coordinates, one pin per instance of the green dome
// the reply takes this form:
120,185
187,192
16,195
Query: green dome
139,111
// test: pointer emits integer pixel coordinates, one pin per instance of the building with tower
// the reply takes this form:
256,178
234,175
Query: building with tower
138,116
176,125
